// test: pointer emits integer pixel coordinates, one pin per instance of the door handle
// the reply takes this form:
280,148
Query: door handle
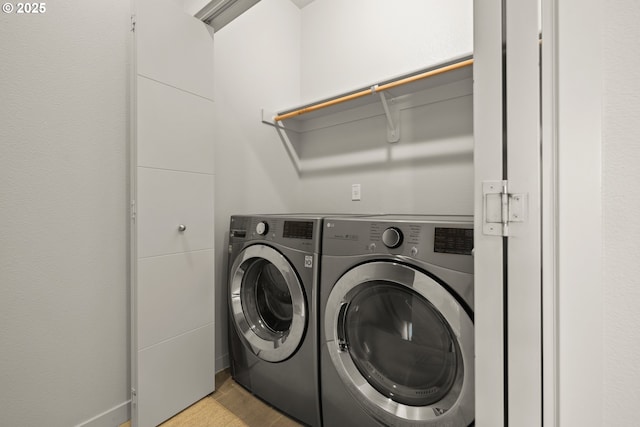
342,333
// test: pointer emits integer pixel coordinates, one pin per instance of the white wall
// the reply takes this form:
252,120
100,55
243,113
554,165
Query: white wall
620,204
257,63
63,178
349,44
194,6
599,106
63,207
580,321
267,59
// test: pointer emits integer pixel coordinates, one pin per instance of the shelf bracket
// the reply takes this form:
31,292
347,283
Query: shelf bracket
268,119
393,117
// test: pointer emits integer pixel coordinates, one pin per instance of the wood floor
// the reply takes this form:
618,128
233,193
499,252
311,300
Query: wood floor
229,406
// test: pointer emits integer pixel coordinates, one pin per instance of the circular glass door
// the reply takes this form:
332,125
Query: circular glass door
267,302
402,344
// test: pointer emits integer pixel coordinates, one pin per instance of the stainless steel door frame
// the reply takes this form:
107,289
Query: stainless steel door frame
282,347
458,405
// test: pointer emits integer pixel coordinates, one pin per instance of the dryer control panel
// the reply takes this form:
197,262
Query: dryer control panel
443,241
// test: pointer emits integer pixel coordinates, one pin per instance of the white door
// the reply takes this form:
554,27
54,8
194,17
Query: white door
508,268
172,211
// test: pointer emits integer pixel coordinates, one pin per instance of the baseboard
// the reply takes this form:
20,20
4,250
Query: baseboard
112,417
122,413
222,362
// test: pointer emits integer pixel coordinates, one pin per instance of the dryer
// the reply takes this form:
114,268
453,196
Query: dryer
273,280
396,318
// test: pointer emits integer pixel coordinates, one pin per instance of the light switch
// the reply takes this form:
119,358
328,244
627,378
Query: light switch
356,193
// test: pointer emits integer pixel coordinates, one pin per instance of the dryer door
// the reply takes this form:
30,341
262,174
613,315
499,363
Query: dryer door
402,344
267,302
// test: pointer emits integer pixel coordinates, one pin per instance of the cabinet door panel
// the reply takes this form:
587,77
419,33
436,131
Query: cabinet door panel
173,47
171,375
167,199
175,128
174,295
172,291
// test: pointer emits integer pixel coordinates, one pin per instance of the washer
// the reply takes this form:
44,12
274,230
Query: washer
396,318
273,339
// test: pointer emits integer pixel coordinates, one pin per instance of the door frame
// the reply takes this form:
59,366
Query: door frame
549,212
572,313
517,347
570,212
489,274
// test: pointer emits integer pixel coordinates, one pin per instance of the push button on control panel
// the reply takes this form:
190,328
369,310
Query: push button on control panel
392,237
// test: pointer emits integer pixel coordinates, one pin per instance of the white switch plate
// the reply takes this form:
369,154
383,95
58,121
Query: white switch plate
355,192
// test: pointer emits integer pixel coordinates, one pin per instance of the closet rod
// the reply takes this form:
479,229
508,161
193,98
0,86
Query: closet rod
374,89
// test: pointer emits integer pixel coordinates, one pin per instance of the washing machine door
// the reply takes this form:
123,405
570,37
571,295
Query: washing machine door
402,345
267,302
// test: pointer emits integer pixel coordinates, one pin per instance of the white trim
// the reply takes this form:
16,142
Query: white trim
133,231
115,416
488,259
549,174
222,362
524,279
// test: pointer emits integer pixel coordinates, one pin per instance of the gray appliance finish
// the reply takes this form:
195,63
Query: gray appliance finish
396,321
273,339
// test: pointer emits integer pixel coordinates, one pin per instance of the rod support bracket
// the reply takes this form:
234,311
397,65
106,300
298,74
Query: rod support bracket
393,117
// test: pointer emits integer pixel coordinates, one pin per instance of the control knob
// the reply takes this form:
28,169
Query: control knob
392,237
262,228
